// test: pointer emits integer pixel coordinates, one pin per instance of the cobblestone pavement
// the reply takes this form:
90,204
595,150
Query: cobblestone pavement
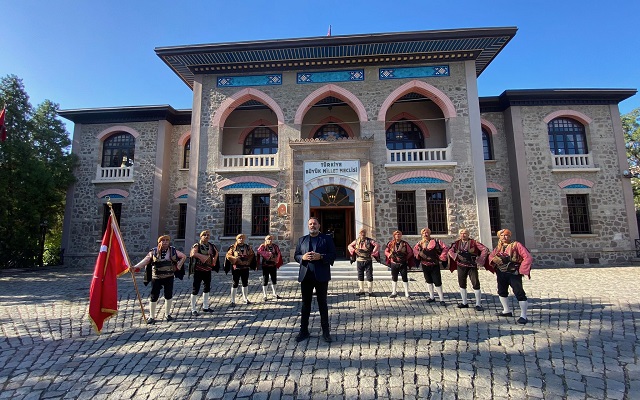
581,342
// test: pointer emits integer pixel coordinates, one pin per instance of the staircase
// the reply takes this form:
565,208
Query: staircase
341,270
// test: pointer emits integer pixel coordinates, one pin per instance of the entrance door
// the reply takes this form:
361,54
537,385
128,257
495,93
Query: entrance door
333,205
339,224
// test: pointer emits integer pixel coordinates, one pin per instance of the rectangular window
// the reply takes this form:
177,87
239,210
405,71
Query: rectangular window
117,210
494,215
437,212
578,205
406,207
182,221
232,214
260,215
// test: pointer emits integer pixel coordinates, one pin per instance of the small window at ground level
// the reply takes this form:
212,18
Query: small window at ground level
406,210
578,206
437,212
117,210
494,215
182,221
232,214
260,214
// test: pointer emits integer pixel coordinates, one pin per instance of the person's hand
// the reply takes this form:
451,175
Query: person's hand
496,260
136,270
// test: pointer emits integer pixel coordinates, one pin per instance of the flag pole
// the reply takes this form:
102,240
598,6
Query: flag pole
126,253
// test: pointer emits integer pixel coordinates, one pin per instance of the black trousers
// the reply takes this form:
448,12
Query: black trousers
238,274
365,267
473,275
515,281
157,284
399,269
432,274
306,287
200,277
269,272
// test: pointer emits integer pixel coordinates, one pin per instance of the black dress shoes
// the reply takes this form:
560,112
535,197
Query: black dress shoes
460,305
479,308
504,314
302,336
327,337
522,320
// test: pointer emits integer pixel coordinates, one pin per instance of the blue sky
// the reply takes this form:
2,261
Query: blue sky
86,54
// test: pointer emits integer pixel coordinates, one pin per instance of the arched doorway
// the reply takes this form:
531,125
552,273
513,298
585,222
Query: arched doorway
334,206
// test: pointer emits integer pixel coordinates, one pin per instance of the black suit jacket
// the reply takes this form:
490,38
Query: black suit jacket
322,268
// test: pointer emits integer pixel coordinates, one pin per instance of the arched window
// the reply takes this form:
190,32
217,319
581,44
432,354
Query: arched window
403,135
118,149
261,140
486,145
330,132
567,136
186,154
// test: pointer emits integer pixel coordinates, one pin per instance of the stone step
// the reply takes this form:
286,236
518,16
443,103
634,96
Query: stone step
341,270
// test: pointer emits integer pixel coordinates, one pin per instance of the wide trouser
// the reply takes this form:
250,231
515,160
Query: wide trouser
399,269
432,274
200,277
269,272
472,273
240,274
515,281
365,267
307,286
157,284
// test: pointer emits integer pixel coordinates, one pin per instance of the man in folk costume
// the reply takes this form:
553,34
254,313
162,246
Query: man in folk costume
241,256
512,261
468,256
364,250
270,259
160,265
430,252
399,255
204,255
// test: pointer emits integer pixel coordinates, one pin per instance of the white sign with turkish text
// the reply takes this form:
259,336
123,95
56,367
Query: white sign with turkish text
348,168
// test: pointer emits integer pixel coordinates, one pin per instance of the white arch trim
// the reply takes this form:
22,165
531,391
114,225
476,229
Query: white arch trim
423,88
488,126
577,115
229,104
335,91
119,128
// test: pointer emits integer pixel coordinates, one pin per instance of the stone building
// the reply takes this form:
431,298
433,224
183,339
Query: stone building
383,131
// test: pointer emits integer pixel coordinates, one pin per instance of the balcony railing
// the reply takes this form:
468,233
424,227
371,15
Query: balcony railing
570,161
252,161
114,174
419,156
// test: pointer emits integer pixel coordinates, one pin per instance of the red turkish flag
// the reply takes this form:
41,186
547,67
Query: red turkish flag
3,128
112,262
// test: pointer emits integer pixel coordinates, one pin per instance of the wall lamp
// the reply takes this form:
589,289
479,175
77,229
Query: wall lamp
297,197
366,194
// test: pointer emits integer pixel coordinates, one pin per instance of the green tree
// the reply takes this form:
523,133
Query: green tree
36,168
631,129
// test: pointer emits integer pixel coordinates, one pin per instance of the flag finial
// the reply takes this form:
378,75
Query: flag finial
329,31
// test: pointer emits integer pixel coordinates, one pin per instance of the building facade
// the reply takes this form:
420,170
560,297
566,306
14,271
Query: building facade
382,131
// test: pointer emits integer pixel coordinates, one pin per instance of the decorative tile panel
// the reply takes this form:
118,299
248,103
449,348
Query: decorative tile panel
421,179
247,185
330,76
249,80
576,186
414,72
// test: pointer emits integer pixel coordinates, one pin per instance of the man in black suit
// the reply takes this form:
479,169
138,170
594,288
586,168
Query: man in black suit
316,253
